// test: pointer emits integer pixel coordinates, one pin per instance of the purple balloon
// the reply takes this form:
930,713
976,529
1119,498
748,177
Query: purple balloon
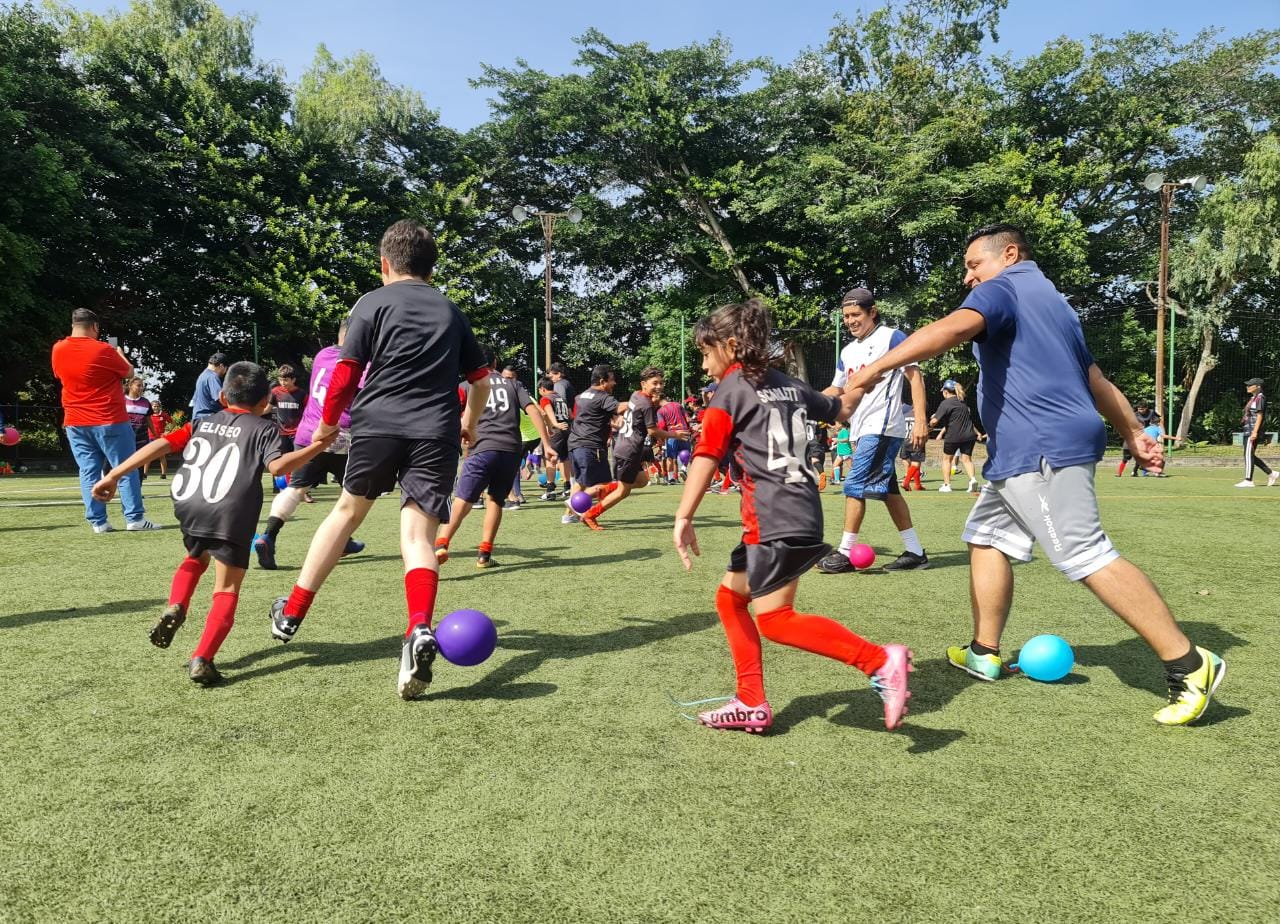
466,637
685,456
581,502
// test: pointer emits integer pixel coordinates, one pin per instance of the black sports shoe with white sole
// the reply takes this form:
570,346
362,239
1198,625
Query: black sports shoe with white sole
203,672
416,656
908,561
836,563
170,621
283,627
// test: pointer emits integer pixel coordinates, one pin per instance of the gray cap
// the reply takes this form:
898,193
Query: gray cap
1254,382
858,296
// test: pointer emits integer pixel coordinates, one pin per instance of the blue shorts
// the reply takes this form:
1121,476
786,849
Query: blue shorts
590,466
872,473
675,447
492,469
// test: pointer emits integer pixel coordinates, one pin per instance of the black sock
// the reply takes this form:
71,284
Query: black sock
1187,664
980,649
274,525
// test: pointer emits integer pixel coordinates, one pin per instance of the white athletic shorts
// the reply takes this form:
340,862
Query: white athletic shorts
1054,507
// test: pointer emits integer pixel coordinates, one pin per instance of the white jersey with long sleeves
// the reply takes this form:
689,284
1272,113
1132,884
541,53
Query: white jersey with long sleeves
880,413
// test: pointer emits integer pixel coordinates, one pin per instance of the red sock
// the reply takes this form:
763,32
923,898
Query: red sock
442,543
913,472
486,547
744,644
222,615
185,580
595,511
420,593
821,635
608,489
1120,470
727,483
918,483
300,600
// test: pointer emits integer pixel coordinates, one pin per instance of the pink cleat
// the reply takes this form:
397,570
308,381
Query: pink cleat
890,683
736,716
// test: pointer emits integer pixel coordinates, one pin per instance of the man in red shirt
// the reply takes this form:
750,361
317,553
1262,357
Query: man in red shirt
95,417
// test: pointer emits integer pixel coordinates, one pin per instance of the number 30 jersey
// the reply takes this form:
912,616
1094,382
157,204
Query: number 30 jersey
217,494
767,430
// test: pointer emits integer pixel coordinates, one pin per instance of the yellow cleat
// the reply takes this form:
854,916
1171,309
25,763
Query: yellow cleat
1189,695
984,667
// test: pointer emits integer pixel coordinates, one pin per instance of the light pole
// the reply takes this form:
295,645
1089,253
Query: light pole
1155,182
548,219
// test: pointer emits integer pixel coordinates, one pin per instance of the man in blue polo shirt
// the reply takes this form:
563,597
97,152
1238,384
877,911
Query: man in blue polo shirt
1040,394
206,399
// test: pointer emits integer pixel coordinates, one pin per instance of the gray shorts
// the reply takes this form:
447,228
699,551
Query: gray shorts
1054,507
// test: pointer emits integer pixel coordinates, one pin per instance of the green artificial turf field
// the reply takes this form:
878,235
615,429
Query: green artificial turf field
558,782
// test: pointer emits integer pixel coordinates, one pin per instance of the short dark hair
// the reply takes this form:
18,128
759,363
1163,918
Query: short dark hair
509,367
286,371
600,373
409,248
558,369
83,317
546,384
1002,235
652,372
218,359
245,385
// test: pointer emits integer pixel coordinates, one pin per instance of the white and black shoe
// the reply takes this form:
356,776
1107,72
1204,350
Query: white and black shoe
416,656
283,628
138,526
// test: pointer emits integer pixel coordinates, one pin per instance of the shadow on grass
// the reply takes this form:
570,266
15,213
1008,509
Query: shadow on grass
19,620
541,647
280,658
45,528
538,559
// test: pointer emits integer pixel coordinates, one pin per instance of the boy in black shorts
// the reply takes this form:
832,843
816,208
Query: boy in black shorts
595,412
404,428
217,496
492,463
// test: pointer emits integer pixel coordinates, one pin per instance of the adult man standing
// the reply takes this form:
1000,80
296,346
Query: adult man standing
207,398
1255,412
95,417
877,428
1039,394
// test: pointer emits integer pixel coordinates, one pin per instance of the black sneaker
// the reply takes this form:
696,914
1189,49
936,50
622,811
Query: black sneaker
172,619
265,548
416,655
836,563
485,560
908,561
283,627
204,673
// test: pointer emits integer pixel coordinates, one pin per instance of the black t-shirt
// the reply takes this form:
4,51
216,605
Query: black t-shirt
816,431
217,493
499,426
953,414
592,419
1257,407
564,388
559,407
766,429
286,407
417,345
633,434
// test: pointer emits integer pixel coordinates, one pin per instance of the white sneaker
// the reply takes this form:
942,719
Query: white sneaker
141,525
104,528
973,486
570,518
1244,484
1271,479
945,489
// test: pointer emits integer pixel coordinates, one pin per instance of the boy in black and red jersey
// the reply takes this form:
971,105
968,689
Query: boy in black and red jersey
287,403
760,416
558,419
595,414
217,497
404,428
639,422
492,463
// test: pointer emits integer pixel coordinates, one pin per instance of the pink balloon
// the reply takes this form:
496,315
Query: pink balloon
862,556
11,436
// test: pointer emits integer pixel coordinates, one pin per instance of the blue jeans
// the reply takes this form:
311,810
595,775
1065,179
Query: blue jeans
111,443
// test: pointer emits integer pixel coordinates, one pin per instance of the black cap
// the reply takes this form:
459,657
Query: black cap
859,296
218,359
1253,382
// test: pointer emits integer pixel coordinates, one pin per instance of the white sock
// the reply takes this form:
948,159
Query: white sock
911,542
285,503
847,541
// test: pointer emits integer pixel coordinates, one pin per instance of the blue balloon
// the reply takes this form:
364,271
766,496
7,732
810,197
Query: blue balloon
1152,431
542,480
1046,658
282,482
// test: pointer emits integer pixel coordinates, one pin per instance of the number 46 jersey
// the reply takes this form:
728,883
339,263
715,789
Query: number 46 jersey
217,494
767,430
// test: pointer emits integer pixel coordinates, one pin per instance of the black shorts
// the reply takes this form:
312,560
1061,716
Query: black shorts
774,564
287,440
229,553
627,470
492,469
590,466
313,473
910,455
424,468
560,444
529,446
964,447
816,454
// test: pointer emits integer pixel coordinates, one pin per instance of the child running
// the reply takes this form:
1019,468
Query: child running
217,496
760,415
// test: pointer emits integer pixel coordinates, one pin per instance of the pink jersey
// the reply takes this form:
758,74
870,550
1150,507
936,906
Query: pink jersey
321,372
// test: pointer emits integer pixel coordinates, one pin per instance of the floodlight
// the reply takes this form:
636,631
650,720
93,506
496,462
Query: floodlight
574,214
1197,182
1154,181
519,213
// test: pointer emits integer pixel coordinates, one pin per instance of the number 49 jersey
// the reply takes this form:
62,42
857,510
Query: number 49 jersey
499,426
217,494
767,430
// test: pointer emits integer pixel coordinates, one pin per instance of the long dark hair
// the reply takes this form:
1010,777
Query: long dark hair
746,322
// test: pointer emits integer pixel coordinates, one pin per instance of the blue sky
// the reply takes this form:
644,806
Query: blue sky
436,45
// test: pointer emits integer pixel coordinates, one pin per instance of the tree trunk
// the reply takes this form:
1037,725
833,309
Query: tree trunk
1206,365
795,362
710,225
